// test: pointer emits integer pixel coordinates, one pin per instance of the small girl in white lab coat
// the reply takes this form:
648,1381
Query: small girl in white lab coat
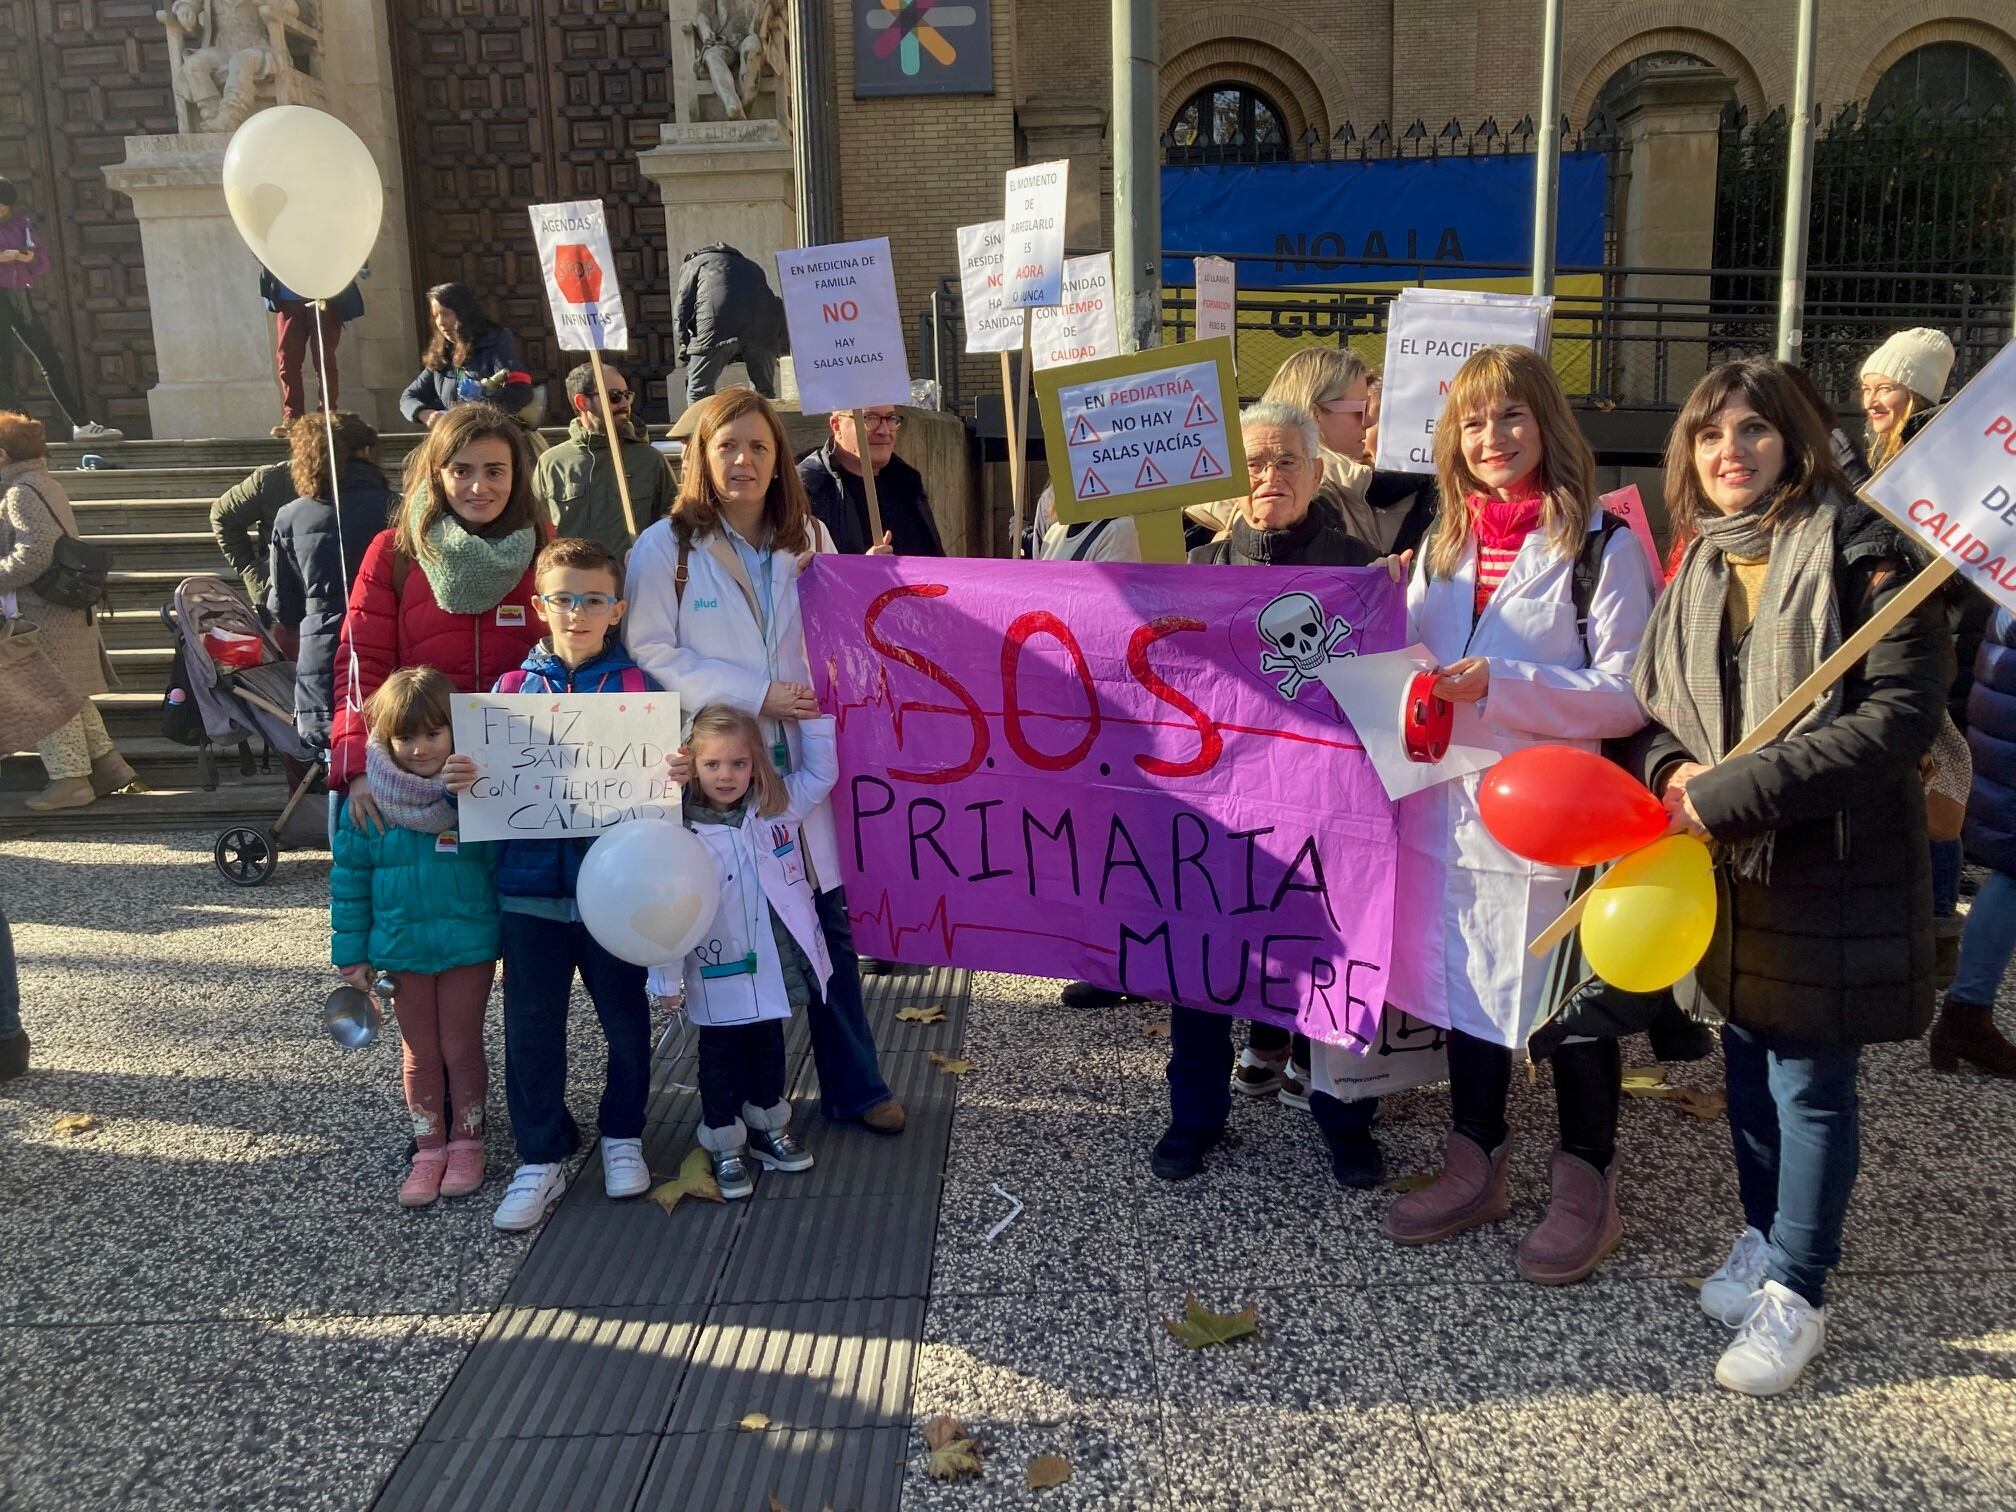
764,955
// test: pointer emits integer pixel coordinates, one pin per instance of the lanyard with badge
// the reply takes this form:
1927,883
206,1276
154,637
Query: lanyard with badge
766,605
745,866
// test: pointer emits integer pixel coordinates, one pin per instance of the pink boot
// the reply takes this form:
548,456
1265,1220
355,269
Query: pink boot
423,1182
1469,1193
465,1168
1581,1226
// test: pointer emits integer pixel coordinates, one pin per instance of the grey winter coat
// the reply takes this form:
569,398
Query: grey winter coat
33,514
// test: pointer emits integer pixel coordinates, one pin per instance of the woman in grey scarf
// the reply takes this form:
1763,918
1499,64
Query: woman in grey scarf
1823,935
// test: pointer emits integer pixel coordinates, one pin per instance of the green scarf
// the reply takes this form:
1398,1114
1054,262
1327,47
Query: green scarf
470,574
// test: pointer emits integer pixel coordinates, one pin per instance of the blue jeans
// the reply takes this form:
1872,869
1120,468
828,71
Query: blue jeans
1947,858
10,984
1988,942
705,365
540,959
1796,1120
843,1045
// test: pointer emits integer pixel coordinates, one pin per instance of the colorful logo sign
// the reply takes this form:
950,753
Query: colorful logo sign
923,47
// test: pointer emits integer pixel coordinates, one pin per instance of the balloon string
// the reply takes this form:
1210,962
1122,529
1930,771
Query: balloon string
352,700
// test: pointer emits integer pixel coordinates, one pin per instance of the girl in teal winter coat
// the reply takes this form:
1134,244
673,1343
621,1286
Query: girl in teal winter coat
406,897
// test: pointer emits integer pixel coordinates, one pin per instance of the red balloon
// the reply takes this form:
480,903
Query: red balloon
1564,807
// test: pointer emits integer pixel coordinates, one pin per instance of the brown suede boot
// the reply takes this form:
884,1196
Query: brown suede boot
1967,1032
111,774
1469,1193
1581,1225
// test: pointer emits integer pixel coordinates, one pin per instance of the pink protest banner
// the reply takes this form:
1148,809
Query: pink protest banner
1629,506
1141,783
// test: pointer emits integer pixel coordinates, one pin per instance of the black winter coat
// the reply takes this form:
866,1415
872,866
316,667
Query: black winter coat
840,503
494,352
724,296
1835,946
1316,541
310,591
1991,734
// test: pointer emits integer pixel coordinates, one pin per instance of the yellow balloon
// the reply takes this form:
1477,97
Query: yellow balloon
306,196
1649,920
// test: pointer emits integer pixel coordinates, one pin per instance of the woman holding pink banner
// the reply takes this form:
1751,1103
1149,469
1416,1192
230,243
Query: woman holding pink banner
714,616
1528,654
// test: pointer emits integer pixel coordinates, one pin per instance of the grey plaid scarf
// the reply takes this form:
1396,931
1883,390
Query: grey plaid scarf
1797,625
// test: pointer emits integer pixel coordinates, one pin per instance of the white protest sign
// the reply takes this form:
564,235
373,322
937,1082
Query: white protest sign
1143,433
846,328
1217,298
1954,486
1084,325
990,325
565,763
580,274
1371,690
1430,333
1033,258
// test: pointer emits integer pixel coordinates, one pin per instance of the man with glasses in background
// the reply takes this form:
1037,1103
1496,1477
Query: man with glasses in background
575,481
832,478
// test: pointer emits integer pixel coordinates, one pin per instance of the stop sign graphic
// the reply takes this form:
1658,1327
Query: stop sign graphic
577,273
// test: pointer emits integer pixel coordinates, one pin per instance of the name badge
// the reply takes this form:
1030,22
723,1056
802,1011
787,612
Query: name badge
510,614
447,843
744,967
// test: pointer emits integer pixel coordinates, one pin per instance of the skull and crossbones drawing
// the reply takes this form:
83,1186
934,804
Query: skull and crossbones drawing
1303,636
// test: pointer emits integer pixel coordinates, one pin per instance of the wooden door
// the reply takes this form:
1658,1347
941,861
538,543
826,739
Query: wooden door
509,103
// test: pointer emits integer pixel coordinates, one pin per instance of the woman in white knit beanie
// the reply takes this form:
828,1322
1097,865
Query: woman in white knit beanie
1903,377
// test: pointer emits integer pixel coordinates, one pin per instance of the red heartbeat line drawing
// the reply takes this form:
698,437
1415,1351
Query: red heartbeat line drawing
937,923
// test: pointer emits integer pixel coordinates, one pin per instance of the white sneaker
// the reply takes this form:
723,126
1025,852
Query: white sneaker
624,1173
1781,1334
533,1191
91,430
1725,1296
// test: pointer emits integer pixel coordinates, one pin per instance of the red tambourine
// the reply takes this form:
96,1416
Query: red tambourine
1425,720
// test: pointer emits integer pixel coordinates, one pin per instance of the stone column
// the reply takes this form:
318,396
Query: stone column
724,181
1072,126
1670,122
213,338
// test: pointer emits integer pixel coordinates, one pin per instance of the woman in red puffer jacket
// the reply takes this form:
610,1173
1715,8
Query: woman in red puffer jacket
449,587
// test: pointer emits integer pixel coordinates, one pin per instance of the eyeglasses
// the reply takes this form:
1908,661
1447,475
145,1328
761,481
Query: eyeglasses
1261,465
577,603
619,396
890,423
1342,406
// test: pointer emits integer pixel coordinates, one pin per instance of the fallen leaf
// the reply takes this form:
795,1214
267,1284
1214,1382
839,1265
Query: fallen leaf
942,1429
932,1015
952,1065
1047,1470
1704,1103
1697,1282
1202,1327
1156,1028
960,1457
1640,1083
74,1123
776,1505
695,1179
754,1422
1413,1181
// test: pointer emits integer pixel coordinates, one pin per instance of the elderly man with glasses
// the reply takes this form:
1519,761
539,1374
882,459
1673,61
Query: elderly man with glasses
575,482
832,477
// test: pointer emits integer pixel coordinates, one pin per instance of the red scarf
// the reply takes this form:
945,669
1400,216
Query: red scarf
1502,526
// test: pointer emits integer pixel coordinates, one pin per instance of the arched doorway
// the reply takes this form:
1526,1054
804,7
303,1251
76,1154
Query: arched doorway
1229,122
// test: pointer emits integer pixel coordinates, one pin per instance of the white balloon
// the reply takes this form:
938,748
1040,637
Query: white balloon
306,196
647,891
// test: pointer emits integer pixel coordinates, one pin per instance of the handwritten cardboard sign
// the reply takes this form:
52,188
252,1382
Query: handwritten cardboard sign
1148,431
846,328
580,276
1033,257
1116,786
990,325
1954,486
565,763
1430,334
1217,298
1084,325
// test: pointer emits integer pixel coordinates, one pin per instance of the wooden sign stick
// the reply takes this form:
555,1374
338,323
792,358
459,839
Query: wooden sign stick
1796,703
615,443
868,478
1020,416
1014,452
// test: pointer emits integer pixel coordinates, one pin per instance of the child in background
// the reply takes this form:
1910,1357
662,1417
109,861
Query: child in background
413,901
578,593
764,955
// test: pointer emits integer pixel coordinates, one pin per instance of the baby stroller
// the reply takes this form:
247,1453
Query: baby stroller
241,686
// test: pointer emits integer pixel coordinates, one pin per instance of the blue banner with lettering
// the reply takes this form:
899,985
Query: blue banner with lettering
1476,210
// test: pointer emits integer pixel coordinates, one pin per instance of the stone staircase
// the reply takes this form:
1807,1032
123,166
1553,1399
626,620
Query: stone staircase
150,507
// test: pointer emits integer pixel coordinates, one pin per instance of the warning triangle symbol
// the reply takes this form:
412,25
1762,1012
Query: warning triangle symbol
1150,475
1082,433
1206,466
1089,486
1200,414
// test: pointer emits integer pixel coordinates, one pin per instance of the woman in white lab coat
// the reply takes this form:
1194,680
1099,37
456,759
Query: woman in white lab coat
714,617
1493,597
